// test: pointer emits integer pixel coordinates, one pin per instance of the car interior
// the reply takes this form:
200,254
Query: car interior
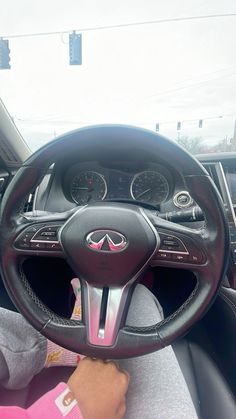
118,166
178,215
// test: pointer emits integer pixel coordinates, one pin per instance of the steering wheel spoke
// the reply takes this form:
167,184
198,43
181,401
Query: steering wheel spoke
105,310
39,239
179,246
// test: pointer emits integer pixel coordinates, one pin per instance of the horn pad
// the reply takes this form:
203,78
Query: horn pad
108,244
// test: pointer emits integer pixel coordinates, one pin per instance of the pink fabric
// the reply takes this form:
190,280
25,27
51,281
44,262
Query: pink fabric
45,408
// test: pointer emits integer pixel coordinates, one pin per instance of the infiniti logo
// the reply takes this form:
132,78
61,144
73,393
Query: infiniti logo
106,241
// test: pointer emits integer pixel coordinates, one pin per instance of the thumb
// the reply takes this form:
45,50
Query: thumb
76,314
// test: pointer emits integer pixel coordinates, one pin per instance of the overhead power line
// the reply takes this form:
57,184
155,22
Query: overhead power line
55,121
125,25
188,86
207,118
188,83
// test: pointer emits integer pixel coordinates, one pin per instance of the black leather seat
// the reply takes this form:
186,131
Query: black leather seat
209,390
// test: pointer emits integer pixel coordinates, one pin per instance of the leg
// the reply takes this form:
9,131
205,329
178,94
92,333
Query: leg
22,350
157,387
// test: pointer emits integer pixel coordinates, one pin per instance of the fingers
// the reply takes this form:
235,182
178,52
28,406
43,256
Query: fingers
75,283
114,367
127,376
100,388
121,410
76,314
124,377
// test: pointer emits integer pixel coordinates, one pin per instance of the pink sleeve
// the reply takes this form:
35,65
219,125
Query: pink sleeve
55,404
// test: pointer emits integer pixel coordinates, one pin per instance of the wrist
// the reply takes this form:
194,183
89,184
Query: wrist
57,403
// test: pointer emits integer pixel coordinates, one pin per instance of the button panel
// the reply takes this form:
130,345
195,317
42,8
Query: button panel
46,234
180,258
232,232
39,237
176,249
171,243
37,245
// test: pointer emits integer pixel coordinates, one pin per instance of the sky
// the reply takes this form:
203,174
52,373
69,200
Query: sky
141,75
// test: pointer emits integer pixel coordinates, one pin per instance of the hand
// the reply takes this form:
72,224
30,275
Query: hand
100,388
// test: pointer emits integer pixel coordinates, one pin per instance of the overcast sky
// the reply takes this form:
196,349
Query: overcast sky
139,75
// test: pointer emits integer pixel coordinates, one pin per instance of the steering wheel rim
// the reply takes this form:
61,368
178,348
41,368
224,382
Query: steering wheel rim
126,341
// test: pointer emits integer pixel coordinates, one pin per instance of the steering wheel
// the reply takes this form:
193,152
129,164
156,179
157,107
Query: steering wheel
110,244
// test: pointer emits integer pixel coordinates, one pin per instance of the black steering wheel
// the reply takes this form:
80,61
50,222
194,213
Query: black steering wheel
109,245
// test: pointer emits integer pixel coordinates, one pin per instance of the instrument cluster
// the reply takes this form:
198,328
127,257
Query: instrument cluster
150,185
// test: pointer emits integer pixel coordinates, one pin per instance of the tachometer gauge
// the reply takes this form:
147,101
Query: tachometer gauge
150,187
87,187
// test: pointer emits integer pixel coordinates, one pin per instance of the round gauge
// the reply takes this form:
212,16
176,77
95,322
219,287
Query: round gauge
87,187
149,186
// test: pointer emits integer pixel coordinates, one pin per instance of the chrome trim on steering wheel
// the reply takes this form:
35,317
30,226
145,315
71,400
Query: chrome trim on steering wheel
104,314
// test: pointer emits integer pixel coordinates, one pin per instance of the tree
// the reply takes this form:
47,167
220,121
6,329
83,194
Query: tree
193,145
227,144
197,145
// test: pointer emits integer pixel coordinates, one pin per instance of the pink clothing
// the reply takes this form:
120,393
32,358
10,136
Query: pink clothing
55,404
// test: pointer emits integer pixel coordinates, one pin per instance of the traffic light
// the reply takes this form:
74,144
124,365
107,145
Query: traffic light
157,127
75,45
178,126
4,54
200,123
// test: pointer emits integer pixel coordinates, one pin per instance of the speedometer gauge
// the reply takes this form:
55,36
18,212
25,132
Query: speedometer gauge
149,186
87,187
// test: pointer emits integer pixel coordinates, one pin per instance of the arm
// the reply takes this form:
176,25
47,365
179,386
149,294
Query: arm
98,387
23,350
55,404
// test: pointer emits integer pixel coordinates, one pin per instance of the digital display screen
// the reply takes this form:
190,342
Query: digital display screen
231,181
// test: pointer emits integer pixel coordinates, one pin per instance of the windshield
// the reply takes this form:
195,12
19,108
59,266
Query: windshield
166,66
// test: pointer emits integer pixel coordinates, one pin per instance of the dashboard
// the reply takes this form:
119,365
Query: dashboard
74,183
71,183
77,184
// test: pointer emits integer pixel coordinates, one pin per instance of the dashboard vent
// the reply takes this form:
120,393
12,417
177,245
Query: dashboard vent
211,168
29,202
